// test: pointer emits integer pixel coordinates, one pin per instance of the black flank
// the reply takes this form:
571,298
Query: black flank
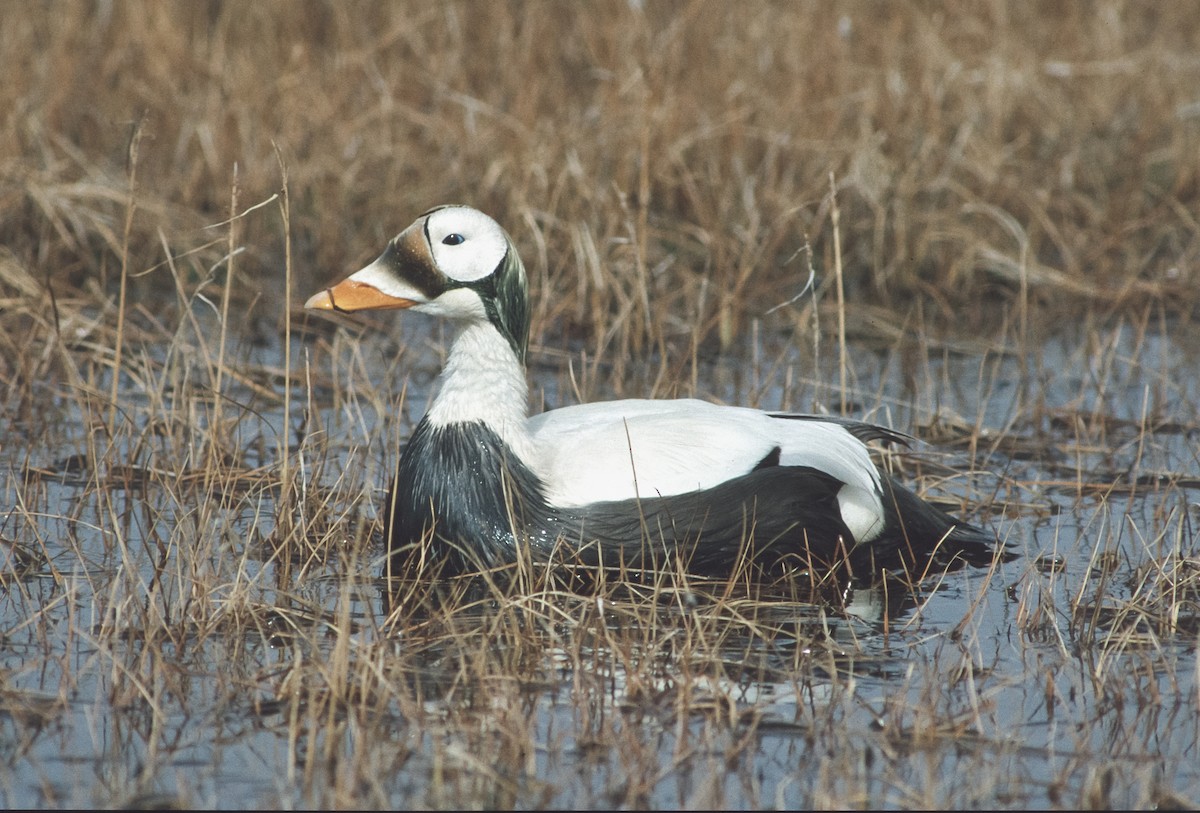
462,503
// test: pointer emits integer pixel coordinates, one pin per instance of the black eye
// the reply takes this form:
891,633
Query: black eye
453,239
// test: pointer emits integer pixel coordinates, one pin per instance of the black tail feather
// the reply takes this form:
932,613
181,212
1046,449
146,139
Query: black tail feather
920,534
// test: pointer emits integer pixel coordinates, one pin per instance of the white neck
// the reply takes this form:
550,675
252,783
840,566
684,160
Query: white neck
484,382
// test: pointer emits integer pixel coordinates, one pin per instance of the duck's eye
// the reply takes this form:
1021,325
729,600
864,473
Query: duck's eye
453,239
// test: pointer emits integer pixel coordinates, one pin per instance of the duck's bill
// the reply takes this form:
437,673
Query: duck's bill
351,295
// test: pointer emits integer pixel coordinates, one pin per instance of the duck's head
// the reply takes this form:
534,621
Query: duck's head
455,262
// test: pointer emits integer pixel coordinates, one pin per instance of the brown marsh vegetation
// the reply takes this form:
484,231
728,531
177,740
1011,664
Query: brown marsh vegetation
999,202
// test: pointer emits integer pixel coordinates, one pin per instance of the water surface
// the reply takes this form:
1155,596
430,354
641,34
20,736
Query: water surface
159,644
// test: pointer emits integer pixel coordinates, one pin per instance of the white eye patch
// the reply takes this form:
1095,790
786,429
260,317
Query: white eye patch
466,244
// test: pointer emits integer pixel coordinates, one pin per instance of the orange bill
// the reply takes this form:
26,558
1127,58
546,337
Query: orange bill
351,295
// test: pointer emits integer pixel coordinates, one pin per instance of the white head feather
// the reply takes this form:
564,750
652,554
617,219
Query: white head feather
467,244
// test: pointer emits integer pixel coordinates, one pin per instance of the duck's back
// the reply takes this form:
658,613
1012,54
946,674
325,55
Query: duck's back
616,450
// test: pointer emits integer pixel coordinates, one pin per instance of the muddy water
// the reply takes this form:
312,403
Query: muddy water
1068,678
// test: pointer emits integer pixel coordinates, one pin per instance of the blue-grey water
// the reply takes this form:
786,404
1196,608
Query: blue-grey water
1051,673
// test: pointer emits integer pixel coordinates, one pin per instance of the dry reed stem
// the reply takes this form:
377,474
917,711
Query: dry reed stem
988,184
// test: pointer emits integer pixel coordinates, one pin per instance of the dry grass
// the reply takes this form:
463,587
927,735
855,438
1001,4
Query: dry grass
668,160
190,605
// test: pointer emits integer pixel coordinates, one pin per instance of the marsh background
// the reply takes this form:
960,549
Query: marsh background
1000,204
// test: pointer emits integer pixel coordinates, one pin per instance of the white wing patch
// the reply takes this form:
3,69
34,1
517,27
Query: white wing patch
621,450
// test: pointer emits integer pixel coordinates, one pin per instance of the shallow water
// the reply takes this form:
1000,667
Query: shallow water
1068,678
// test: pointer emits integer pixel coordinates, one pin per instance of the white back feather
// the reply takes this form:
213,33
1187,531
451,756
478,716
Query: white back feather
621,450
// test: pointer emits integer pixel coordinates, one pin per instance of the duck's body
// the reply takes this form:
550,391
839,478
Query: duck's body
639,484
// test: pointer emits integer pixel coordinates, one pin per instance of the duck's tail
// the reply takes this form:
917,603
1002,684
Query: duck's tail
922,537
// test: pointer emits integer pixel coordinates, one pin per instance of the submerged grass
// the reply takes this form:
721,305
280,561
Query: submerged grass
191,610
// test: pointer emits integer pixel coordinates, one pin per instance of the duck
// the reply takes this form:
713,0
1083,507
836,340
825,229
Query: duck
643,485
